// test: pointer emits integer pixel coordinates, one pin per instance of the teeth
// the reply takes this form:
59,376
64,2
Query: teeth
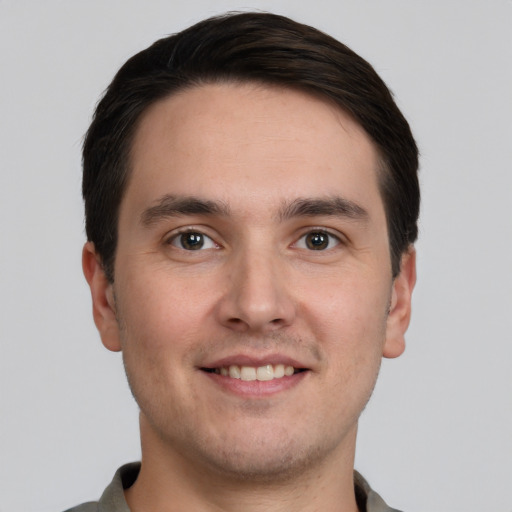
279,371
288,370
262,373
234,372
247,373
265,372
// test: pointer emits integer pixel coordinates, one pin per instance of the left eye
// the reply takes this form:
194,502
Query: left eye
193,241
317,241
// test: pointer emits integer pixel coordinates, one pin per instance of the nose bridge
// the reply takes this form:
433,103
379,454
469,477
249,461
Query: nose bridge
258,298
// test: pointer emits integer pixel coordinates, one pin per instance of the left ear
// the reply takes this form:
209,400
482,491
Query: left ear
400,307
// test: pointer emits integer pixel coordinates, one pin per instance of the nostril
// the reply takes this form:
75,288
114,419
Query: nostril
237,324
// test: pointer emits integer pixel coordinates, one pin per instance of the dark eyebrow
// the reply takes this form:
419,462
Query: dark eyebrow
330,206
173,206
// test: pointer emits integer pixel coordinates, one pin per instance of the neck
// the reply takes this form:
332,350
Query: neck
170,481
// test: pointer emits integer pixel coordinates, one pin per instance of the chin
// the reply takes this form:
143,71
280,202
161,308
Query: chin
267,457
262,466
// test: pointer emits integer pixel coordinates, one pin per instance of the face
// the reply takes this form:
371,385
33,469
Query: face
253,297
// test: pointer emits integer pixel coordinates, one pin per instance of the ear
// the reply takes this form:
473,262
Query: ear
103,304
400,307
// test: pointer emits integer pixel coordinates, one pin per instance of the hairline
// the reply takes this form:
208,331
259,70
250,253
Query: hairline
382,170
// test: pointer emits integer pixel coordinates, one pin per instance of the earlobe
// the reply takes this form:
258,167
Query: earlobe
400,307
103,304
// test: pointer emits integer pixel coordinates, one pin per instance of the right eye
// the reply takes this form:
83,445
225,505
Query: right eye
192,241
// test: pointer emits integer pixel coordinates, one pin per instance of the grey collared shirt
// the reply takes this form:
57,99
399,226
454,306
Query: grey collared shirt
112,499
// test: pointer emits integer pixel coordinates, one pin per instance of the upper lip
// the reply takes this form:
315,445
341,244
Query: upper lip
254,361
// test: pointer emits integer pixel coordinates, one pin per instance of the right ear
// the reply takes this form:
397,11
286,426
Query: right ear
102,293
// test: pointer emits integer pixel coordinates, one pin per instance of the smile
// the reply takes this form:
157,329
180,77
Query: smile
250,373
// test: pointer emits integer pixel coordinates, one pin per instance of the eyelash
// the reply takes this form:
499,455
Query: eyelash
332,240
323,232
178,236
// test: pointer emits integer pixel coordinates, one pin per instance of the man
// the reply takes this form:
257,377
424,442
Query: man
251,202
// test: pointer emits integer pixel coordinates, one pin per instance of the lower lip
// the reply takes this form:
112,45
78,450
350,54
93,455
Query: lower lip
256,388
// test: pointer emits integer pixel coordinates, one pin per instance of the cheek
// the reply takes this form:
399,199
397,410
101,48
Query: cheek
161,322
348,317
158,328
354,307
160,308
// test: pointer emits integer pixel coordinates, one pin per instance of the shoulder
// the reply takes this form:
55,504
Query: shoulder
91,506
367,499
112,499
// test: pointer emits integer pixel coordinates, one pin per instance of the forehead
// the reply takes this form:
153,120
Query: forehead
243,142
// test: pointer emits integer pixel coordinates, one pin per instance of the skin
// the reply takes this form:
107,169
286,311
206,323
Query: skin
255,292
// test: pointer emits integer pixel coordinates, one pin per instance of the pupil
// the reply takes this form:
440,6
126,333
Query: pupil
192,241
317,241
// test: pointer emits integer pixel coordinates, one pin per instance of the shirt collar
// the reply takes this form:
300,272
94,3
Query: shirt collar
113,500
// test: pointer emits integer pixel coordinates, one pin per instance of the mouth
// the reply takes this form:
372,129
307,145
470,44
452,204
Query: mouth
266,372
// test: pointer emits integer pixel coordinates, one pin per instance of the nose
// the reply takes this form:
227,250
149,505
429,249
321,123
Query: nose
257,299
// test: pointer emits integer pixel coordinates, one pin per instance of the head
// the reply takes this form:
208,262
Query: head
248,47
251,201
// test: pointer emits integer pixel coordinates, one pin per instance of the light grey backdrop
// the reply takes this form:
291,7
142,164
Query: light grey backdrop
437,435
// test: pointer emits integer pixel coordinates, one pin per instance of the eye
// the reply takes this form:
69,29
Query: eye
317,241
192,241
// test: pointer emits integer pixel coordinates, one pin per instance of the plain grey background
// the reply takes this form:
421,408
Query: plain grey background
437,435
